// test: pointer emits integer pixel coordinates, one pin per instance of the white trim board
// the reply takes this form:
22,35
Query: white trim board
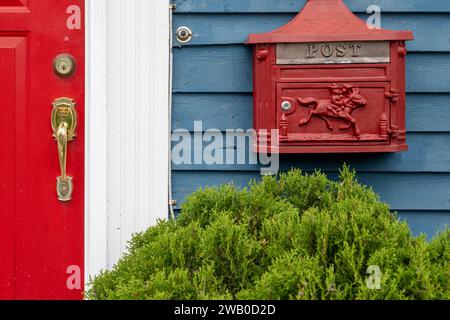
96,137
127,156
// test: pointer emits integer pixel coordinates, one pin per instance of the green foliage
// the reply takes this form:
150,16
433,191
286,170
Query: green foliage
295,236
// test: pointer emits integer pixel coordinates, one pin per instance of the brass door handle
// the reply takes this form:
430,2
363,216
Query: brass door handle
64,124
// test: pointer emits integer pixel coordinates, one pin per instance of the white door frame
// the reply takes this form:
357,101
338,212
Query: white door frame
96,137
127,124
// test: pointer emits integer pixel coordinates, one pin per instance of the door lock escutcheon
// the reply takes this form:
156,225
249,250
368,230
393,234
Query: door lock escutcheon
64,125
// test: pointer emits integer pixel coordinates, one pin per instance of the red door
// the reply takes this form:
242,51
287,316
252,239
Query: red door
41,232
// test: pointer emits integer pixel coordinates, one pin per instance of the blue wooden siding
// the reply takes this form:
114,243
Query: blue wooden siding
213,83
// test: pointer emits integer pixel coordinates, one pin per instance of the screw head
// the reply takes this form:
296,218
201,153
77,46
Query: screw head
286,106
184,34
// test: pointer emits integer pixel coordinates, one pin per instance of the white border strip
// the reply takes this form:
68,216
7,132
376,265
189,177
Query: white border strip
96,246
127,124
138,128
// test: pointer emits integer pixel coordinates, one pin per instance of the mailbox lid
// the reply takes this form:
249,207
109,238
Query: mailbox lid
327,20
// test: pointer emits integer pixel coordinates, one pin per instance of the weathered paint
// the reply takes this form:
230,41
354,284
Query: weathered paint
196,69
234,28
234,110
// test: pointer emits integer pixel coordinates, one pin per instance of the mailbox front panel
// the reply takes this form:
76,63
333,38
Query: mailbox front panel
331,108
333,113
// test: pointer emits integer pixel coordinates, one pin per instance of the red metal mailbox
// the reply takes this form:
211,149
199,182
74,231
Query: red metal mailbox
330,84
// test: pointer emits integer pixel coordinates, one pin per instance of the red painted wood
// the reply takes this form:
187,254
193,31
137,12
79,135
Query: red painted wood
40,237
327,20
378,90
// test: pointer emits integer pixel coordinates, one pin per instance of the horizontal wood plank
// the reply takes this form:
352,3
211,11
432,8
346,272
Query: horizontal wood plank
425,112
228,6
221,69
426,222
219,111
428,152
402,191
219,29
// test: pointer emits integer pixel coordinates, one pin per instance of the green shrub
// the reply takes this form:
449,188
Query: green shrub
295,236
